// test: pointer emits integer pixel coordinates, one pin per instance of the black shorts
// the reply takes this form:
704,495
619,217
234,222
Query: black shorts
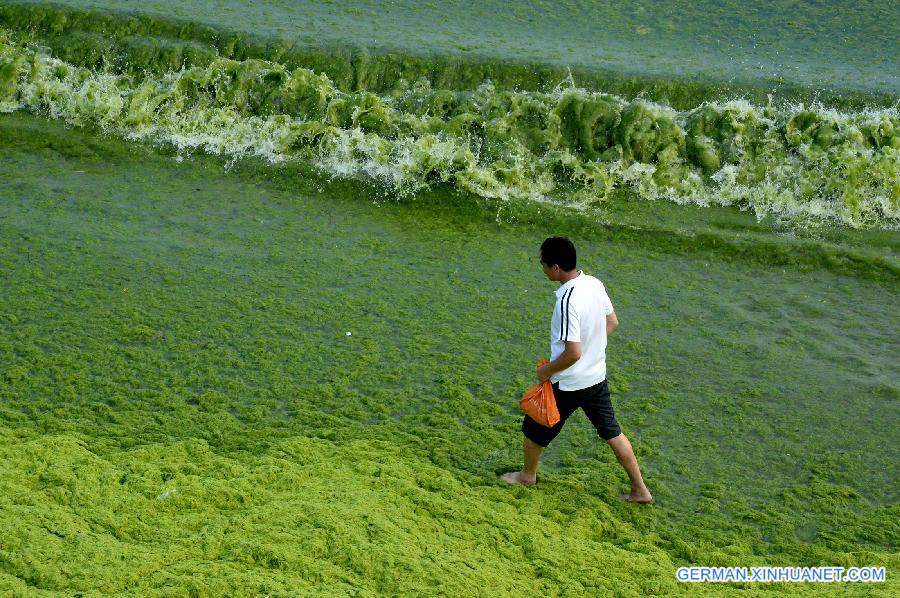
594,400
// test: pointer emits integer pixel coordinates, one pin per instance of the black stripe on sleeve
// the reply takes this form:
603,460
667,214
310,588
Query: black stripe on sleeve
568,301
562,314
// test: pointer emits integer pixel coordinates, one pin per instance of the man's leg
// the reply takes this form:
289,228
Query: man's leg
528,475
598,408
625,455
542,436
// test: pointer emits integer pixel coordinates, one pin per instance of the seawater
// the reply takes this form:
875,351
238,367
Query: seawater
408,123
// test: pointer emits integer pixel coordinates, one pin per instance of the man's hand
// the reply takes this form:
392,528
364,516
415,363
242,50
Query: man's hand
544,373
612,322
567,359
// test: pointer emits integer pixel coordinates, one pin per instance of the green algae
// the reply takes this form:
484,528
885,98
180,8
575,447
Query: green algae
152,41
677,50
182,412
178,390
357,517
806,165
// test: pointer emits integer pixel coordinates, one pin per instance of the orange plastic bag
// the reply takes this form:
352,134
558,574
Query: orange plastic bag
539,403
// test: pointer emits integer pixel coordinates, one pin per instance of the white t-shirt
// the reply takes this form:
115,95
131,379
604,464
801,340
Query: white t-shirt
580,316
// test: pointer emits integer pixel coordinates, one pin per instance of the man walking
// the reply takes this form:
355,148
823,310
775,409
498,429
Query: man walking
582,319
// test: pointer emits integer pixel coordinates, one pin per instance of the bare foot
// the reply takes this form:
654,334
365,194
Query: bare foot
516,477
641,498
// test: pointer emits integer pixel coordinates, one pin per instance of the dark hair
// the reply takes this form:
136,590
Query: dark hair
559,250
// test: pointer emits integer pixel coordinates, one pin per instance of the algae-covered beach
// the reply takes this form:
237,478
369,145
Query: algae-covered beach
270,293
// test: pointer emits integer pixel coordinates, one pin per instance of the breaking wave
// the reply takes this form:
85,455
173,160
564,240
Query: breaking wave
796,162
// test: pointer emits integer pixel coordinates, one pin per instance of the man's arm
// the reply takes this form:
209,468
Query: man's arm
612,322
566,359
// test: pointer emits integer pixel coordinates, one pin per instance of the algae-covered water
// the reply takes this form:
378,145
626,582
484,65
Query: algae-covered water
835,46
199,203
406,121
